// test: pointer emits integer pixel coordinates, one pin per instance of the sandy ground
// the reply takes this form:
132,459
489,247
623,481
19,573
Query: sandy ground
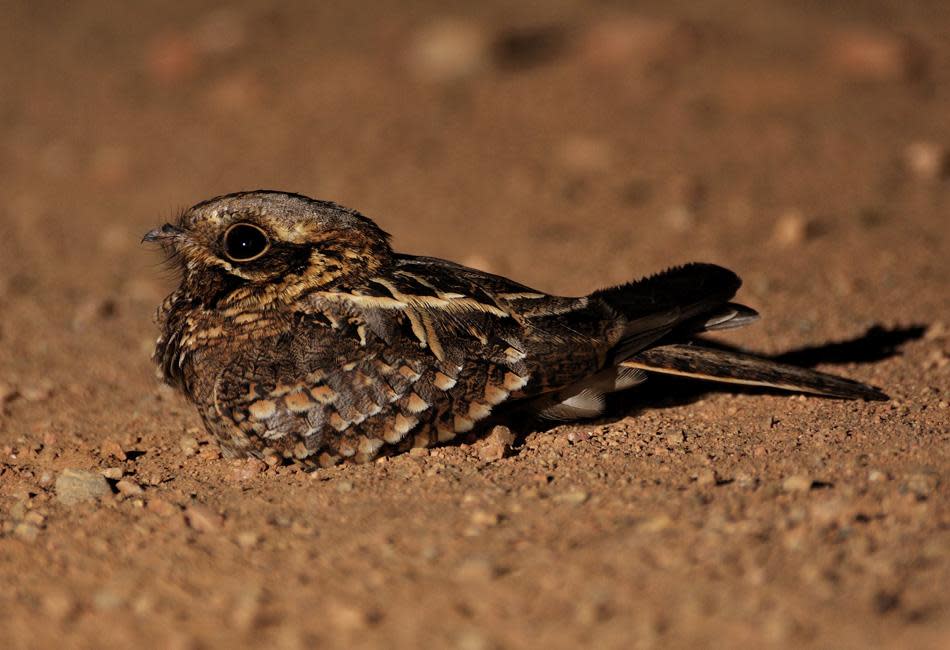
569,145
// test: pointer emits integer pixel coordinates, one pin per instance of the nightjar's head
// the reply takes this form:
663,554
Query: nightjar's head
267,246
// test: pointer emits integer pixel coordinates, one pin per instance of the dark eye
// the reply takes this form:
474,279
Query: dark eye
244,242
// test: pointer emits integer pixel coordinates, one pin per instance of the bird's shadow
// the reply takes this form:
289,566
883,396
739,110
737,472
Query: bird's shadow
660,391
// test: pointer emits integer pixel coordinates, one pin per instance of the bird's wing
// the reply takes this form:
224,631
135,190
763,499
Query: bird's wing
411,357
488,318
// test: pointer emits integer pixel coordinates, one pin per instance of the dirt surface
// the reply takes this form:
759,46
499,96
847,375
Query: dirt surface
569,145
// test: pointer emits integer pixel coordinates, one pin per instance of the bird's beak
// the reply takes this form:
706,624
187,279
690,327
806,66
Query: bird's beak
166,233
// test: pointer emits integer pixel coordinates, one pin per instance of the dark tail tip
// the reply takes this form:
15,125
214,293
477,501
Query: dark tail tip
872,394
696,283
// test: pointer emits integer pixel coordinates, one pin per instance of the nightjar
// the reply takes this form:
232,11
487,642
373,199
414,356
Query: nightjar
297,330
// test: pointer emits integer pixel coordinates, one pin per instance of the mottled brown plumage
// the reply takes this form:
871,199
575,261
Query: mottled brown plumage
297,330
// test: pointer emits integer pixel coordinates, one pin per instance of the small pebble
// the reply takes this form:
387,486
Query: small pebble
246,607
189,446
344,486
927,160
476,569
113,473
38,392
57,605
346,617
937,330
867,55
746,482
706,477
106,599
449,49
484,518
203,519
922,484
161,507
26,531
76,485
828,512
679,217
128,487
582,435
247,469
674,439
582,154
574,496
656,523
791,229
34,518
247,539
112,448
797,483
472,640
497,445
637,42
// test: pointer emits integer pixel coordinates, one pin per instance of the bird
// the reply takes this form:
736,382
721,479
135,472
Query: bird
299,333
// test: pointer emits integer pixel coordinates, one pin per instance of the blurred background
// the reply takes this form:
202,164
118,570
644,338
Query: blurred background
567,144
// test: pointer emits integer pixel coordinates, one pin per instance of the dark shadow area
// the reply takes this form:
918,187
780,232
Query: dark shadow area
876,344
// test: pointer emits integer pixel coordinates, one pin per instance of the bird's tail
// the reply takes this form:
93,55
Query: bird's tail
676,303
664,311
714,364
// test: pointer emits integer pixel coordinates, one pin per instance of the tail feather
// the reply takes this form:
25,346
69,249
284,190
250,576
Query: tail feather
685,299
685,290
739,368
661,311
731,316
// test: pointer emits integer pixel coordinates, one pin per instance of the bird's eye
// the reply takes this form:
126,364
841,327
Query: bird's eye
244,242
